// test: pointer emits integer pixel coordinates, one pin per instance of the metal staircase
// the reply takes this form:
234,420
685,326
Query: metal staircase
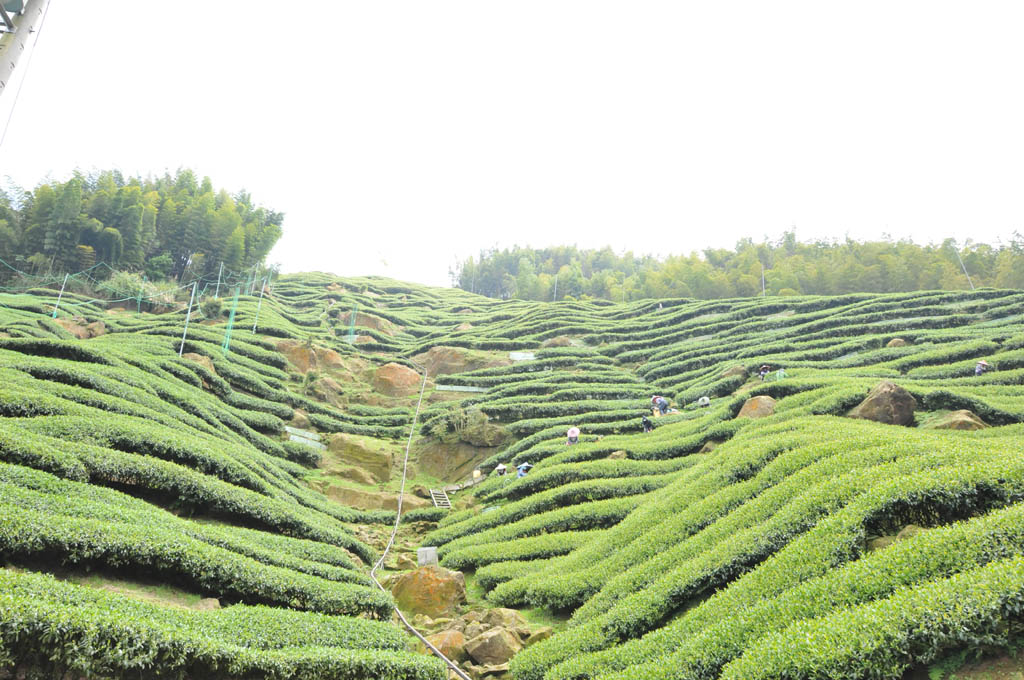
440,498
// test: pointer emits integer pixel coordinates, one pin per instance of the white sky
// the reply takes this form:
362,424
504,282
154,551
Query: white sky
399,136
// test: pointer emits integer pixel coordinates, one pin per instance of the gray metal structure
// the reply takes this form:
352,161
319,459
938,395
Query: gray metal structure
16,30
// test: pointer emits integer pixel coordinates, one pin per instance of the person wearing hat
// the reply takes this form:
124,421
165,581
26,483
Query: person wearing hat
763,371
704,401
981,367
572,436
521,470
661,403
500,469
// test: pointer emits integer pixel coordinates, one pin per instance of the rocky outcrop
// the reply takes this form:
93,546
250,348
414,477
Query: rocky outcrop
449,460
365,499
396,380
362,452
757,407
710,445
887,403
897,342
82,330
305,357
434,591
375,322
958,420
449,360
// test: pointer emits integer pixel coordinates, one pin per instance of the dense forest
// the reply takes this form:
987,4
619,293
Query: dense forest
789,268
168,226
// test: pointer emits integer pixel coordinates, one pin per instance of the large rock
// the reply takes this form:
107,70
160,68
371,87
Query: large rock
493,647
96,329
887,403
396,380
757,407
557,341
738,369
505,618
896,342
451,643
362,453
207,604
449,360
540,635
434,591
958,420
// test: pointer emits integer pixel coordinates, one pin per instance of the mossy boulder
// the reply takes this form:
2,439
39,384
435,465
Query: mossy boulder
434,591
958,420
451,643
897,342
757,407
361,452
557,341
493,647
738,369
887,403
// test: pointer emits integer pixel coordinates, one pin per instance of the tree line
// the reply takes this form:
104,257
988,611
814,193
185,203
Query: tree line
171,226
789,267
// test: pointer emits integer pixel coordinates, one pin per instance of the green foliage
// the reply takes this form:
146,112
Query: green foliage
790,268
167,226
60,628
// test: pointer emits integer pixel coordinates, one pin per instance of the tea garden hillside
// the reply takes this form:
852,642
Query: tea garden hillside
792,541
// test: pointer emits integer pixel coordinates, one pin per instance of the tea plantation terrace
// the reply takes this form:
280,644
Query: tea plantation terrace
802,544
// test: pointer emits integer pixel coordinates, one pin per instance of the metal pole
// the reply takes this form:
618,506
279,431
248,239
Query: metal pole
187,317
258,305
957,251
217,294
14,45
56,306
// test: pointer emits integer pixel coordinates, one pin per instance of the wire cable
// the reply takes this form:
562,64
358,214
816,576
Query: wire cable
398,518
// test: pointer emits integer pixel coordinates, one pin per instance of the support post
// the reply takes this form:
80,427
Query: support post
258,305
60,295
217,293
187,317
